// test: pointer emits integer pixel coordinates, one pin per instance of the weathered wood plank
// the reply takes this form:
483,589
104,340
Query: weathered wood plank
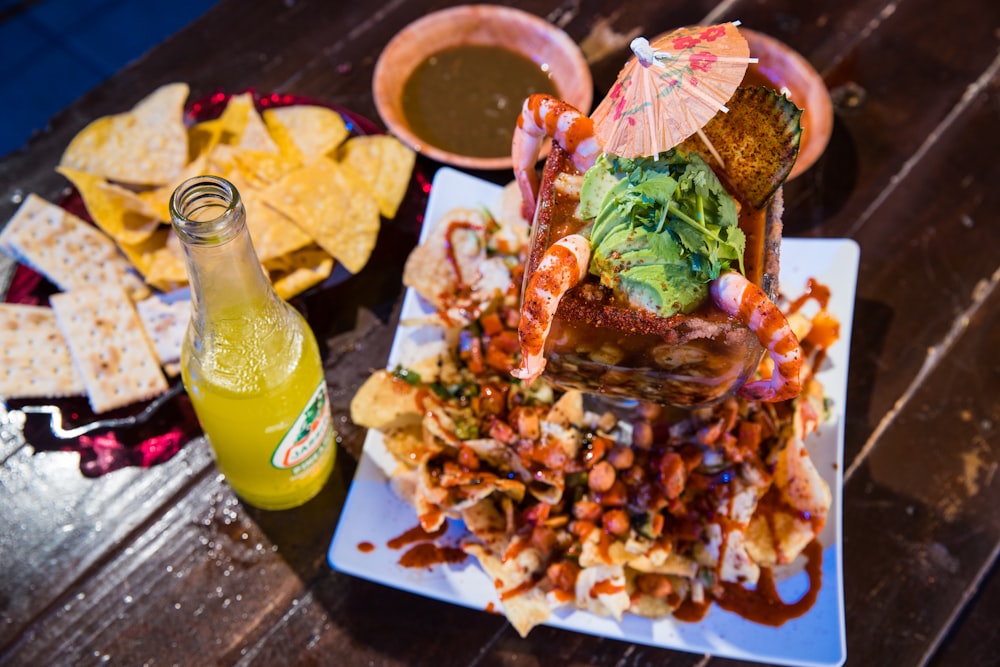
921,526
58,526
227,583
909,174
975,638
921,268
921,533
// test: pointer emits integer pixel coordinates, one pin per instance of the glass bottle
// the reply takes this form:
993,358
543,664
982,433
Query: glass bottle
249,362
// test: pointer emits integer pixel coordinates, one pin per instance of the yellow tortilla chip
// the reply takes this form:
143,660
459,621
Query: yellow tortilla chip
273,234
262,168
202,137
233,119
145,146
330,204
306,132
221,161
385,164
295,273
120,213
157,259
242,126
255,134
386,402
158,199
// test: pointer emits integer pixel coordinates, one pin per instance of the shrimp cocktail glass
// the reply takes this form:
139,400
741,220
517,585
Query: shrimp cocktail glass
653,278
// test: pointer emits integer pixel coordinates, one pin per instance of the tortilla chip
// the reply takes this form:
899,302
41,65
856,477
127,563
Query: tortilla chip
120,213
329,204
158,199
145,146
524,610
263,168
162,267
406,444
386,402
255,135
242,126
385,164
306,132
273,234
295,273
202,137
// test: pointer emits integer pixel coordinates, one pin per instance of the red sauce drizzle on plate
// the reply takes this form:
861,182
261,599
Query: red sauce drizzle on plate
691,612
366,547
416,534
427,554
763,604
523,587
814,290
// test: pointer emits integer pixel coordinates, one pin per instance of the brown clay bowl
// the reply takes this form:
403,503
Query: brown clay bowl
487,25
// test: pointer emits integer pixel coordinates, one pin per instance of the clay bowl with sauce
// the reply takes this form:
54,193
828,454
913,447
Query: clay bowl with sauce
782,68
451,84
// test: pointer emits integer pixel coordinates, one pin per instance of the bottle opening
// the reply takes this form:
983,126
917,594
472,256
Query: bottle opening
206,210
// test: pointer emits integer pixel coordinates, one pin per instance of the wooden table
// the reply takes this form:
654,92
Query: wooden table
164,565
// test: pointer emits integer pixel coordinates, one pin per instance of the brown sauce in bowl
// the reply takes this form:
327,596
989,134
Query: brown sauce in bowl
466,99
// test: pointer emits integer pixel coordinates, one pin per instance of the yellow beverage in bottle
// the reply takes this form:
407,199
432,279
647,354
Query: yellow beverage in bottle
250,362
259,392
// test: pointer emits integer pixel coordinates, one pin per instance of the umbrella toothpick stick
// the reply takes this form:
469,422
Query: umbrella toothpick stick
711,148
650,57
671,89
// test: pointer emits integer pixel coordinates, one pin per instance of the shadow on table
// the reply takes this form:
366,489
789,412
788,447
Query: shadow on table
872,320
821,191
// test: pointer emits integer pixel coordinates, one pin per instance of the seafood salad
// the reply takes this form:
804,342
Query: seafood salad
653,277
567,503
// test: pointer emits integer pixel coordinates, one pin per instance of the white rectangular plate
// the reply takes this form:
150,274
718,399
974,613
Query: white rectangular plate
373,514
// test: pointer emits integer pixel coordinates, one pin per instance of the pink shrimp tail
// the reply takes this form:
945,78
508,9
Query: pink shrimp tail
748,304
563,265
545,116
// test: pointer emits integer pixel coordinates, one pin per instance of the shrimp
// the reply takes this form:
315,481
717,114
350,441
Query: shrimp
563,265
545,116
747,303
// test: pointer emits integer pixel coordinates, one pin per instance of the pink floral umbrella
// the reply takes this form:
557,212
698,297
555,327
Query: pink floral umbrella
671,88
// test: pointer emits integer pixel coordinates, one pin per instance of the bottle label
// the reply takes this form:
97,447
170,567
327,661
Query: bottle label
304,441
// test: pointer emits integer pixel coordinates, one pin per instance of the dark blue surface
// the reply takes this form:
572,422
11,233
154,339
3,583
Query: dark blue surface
53,51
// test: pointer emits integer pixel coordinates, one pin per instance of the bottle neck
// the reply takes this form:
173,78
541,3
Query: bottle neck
225,276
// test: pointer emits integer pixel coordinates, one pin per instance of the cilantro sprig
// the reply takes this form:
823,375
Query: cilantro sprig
663,229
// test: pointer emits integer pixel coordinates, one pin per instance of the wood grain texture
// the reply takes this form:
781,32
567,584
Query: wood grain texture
166,565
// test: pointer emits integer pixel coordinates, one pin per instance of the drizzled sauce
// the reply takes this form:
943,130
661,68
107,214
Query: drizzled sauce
449,246
427,554
825,331
763,605
523,587
366,547
416,534
814,290
773,503
424,552
605,587
691,612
